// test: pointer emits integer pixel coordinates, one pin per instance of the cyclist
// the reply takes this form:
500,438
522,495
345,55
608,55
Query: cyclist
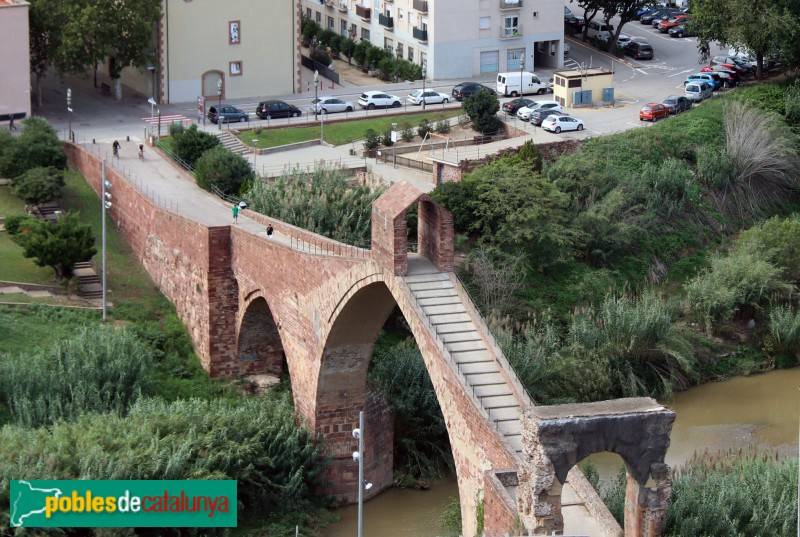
115,146
141,151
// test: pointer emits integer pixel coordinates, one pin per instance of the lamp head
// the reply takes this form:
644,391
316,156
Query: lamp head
367,486
355,455
356,432
107,204
151,101
108,184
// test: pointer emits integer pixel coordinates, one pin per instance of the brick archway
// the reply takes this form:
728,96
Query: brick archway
258,346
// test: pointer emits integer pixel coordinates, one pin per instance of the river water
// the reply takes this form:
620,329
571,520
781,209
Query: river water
759,411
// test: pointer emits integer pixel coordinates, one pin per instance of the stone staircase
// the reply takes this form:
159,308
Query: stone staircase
232,143
90,284
441,303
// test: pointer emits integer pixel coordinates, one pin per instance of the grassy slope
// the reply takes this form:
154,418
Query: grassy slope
15,267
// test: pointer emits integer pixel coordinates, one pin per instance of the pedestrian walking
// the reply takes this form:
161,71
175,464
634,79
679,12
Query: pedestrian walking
269,231
235,210
11,126
115,147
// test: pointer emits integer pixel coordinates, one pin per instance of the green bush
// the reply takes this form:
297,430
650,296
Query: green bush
784,331
529,154
38,185
386,139
792,105
222,169
36,146
15,222
714,169
778,241
443,126
322,57
481,108
406,132
371,139
424,128
740,279
190,144
451,517
96,370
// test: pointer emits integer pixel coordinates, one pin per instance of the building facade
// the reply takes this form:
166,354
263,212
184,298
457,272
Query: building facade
453,38
228,50
15,77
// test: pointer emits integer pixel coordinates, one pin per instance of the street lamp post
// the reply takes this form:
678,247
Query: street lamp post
394,144
219,104
362,483
521,69
424,74
316,86
106,204
69,109
152,113
255,155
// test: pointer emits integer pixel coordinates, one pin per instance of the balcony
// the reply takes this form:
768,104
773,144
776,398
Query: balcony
421,35
506,5
511,33
387,21
421,5
364,12
329,3
343,6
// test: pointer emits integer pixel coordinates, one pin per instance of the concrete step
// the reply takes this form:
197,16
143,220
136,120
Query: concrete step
434,293
427,277
462,327
476,380
428,286
471,357
501,415
460,337
445,309
449,318
500,401
492,390
439,301
466,346
488,366
510,427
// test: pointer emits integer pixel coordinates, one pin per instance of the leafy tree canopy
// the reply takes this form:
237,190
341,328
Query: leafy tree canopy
481,108
39,185
220,168
191,143
36,146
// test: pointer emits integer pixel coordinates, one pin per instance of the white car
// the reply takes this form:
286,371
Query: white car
430,97
562,123
326,105
622,40
525,112
378,99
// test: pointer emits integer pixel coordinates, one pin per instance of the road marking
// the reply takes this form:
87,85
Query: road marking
681,72
166,119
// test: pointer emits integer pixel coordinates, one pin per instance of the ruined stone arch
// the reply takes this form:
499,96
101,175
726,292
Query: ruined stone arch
259,348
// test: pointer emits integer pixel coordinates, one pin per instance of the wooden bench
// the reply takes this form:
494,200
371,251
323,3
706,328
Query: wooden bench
105,89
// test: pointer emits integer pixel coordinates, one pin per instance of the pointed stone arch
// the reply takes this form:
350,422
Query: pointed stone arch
259,348
390,230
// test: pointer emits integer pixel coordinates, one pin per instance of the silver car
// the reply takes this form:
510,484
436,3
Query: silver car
327,105
698,91
430,97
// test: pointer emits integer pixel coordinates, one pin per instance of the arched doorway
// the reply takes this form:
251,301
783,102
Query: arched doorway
259,348
211,81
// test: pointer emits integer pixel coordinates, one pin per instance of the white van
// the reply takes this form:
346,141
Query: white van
600,31
510,84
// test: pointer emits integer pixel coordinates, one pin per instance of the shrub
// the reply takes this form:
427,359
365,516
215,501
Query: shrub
190,144
96,370
784,330
406,132
778,241
481,108
36,146
424,128
443,126
15,222
386,139
792,105
495,277
39,185
732,282
322,57
222,169
529,154
371,139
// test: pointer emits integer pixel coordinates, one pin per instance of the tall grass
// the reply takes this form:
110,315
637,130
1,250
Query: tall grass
95,370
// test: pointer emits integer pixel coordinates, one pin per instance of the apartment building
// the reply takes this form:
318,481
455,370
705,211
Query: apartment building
241,48
453,38
15,78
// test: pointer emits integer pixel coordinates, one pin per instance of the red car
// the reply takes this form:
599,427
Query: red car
665,25
653,112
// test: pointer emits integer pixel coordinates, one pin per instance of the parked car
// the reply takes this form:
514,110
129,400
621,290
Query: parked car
680,30
657,14
540,115
573,20
465,89
677,104
378,99
327,105
226,114
622,40
557,124
671,22
725,79
664,16
708,78
639,50
698,91
430,97
723,71
525,112
737,64
273,109
511,107
653,112
599,30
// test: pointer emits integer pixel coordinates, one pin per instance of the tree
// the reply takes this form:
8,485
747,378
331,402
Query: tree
625,10
759,26
44,22
36,146
38,185
481,108
191,143
58,245
222,169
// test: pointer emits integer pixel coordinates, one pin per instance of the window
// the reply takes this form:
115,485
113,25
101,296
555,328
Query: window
514,59
308,12
399,50
411,18
234,35
330,23
318,17
399,14
364,34
484,23
388,44
511,25
423,23
411,54
343,26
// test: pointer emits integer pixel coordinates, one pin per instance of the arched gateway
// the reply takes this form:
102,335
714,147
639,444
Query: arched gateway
253,304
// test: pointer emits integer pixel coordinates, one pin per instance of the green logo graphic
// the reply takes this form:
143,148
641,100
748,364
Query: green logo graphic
123,504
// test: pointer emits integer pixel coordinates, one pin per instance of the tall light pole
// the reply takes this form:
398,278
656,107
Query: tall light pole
316,86
106,204
69,110
362,483
394,144
219,104
521,69
152,113
255,155
424,74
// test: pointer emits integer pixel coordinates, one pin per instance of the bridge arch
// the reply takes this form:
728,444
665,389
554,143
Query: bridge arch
259,348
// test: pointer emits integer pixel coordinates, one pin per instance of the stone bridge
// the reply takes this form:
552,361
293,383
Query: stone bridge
301,302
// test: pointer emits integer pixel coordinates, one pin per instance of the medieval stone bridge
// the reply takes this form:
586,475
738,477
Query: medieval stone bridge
255,304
